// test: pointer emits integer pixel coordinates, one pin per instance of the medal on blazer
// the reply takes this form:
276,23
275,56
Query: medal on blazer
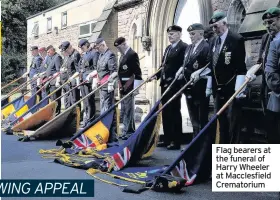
227,58
195,65
125,67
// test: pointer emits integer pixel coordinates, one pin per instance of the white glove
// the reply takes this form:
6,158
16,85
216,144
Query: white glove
179,73
77,80
251,72
57,83
208,92
73,76
25,75
36,75
38,82
111,86
91,75
201,73
94,83
240,79
112,76
63,69
42,74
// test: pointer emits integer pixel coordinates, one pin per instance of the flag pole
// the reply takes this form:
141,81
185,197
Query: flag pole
11,82
110,109
213,119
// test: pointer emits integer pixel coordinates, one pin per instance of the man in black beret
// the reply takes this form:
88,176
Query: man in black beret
171,115
70,71
129,73
107,71
87,69
196,57
34,69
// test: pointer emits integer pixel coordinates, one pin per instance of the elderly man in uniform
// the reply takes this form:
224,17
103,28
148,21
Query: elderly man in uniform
70,72
129,70
87,67
34,68
171,62
196,57
272,74
53,67
228,74
107,70
43,67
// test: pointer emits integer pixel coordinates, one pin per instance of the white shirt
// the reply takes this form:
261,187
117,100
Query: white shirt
126,50
175,44
277,36
223,38
196,45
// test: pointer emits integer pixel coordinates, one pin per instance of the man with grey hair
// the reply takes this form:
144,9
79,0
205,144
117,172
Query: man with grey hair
228,74
107,70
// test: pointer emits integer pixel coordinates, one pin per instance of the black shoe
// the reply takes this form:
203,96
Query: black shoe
173,146
162,144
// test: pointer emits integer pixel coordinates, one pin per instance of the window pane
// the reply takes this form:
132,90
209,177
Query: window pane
64,19
85,29
49,25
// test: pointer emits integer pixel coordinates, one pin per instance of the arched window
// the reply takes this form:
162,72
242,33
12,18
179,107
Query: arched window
236,15
135,39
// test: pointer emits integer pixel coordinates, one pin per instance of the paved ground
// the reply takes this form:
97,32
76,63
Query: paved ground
22,161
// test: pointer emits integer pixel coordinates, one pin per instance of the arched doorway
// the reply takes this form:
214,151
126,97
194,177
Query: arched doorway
164,13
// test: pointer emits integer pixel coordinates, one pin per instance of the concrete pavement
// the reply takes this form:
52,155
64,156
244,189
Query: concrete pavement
22,161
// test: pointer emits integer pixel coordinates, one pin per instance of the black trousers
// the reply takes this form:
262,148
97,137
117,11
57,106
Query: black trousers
172,118
198,111
229,120
55,96
89,103
273,127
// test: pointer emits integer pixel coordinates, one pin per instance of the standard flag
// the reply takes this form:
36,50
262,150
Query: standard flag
116,158
23,109
12,106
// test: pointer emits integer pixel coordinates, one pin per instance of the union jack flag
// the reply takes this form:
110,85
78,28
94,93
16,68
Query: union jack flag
83,142
121,159
181,171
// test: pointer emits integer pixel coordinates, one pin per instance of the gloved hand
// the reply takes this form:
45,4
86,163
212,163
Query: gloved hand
94,83
251,72
179,74
240,79
63,69
208,92
91,75
38,82
36,76
25,75
151,78
110,87
198,74
112,77
75,75
42,74
57,83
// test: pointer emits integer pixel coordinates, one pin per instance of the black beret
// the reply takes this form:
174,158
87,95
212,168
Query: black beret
99,40
119,41
195,27
33,48
82,42
174,28
271,13
64,45
217,17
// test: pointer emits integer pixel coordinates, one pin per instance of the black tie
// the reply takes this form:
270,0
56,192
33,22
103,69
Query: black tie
217,51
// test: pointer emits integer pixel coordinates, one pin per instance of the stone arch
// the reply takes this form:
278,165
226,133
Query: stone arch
236,14
135,34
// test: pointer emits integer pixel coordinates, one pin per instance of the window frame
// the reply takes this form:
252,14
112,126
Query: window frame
90,28
49,30
35,34
62,14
